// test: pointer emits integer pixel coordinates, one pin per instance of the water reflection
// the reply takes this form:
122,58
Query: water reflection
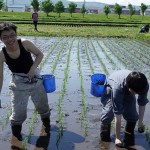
42,142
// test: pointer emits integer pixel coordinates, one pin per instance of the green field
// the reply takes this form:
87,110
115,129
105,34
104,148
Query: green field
89,25
76,17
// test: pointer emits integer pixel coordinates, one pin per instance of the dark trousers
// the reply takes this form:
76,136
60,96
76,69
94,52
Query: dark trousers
35,25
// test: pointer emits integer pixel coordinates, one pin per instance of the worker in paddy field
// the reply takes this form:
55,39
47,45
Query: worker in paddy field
17,55
119,100
35,19
145,29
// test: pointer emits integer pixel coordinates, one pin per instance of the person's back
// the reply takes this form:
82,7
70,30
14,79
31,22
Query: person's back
35,16
147,28
144,29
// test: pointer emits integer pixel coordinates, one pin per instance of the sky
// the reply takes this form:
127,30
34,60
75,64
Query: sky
121,2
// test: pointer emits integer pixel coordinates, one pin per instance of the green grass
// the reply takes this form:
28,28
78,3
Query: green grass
91,25
77,17
96,31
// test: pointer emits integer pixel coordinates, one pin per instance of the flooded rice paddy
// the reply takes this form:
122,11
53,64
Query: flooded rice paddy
75,113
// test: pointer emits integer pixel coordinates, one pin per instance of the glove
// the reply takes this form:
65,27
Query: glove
141,128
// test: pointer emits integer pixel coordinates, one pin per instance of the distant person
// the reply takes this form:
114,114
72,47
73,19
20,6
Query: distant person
35,19
120,100
17,54
145,29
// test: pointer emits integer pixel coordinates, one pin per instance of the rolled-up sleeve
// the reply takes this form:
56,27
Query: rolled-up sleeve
142,98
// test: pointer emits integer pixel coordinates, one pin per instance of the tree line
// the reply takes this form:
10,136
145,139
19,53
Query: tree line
118,9
48,6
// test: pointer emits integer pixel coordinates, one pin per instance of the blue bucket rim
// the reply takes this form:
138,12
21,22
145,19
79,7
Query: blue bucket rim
99,74
44,76
104,75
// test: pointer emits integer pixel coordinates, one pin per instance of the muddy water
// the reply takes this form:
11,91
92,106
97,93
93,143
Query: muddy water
77,134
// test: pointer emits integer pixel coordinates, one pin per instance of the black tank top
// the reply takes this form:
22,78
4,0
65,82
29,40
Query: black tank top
22,64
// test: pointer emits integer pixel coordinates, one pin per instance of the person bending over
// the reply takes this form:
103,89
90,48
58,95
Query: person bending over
119,100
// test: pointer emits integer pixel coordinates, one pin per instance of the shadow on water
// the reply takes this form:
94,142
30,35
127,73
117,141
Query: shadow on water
50,141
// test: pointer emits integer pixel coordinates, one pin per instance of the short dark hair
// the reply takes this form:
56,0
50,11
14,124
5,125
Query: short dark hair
6,26
137,81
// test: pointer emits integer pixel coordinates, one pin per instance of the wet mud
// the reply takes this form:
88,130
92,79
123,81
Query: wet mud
72,61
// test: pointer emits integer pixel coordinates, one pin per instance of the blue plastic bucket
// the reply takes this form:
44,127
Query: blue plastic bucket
49,83
98,82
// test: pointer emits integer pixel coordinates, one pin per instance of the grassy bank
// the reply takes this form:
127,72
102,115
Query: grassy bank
90,25
76,18
58,30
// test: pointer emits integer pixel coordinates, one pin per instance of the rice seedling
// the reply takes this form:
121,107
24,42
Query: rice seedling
100,60
88,57
5,119
61,96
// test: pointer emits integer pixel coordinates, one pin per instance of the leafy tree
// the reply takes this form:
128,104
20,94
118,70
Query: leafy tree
72,7
83,10
1,4
47,6
106,10
118,9
132,10
143,8
35,4
59,7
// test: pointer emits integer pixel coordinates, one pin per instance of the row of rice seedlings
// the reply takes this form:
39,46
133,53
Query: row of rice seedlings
142,46
4,120
107,56
58,56
140,49
88,57
147,135
133,54
61,97
114,53
83,113
49,52
134,62
124,53
100,60
31,126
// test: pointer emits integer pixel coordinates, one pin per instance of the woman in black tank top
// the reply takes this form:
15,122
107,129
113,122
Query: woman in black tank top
17,55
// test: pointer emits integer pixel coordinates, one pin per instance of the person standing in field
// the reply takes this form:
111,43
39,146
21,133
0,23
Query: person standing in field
35,19
119,100
24,83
